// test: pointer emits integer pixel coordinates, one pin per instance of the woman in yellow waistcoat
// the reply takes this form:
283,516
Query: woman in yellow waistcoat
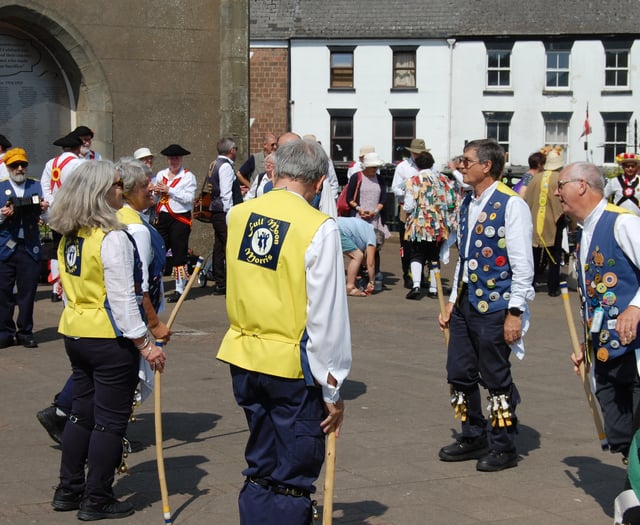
104,335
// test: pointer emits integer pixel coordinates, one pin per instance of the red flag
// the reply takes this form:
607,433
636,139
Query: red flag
587,128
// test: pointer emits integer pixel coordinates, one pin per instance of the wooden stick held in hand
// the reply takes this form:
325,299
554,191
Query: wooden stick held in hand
157,386
595,413
329,479
435,266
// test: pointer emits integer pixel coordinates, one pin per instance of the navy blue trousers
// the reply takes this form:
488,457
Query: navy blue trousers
286,446
618,392
219,223
478,355
21,270
105,375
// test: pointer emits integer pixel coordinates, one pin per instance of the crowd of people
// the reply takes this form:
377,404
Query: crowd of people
117,227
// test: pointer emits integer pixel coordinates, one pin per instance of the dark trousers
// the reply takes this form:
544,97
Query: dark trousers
478,355
286,445
219,223
618,392
105,375
176,236
542,259
21,270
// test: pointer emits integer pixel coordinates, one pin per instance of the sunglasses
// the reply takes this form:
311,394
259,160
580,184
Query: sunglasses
16,165
119,184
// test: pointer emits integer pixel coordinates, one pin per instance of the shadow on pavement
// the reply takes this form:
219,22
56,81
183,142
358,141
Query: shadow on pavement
358,513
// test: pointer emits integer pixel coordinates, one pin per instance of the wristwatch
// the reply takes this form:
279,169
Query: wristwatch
515,311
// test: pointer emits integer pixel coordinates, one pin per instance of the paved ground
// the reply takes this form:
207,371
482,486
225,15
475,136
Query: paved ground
398,417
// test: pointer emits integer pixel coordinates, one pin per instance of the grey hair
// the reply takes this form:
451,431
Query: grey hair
590,173
132,172
303,160
489,150
81,201
225,145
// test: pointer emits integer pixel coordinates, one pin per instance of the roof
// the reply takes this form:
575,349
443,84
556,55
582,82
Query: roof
366,19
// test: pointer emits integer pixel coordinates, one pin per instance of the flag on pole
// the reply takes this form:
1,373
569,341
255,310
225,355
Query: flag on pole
586,130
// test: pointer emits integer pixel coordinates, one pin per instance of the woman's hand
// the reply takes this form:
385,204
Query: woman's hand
155,356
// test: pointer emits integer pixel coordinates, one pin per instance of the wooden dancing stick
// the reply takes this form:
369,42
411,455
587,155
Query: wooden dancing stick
435,266
564,290
329,479
157,385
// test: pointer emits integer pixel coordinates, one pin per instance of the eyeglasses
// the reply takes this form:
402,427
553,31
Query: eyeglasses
118,184
16,165
468,162
561,183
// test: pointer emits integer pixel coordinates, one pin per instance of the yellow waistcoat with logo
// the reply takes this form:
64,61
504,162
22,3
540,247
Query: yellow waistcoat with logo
266,283
86,313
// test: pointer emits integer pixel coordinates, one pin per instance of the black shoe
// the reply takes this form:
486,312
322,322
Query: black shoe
432,295
52,423
90,511
496,461
220,290
65,500
6,342
554,293
174,297
27,341
408,282
464,449
414,293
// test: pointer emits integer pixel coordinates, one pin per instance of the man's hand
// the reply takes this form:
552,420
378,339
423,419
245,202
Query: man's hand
161,332
443,320
578,360
512,328
7,210
335,414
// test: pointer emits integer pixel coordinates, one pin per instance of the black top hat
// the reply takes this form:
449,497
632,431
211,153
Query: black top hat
4,142
174,150
69,141
83,131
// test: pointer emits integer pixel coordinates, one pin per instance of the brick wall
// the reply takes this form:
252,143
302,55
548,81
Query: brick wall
269,97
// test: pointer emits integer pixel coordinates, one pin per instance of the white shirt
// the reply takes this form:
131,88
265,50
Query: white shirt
117,258
518,234
625,232
404,171
332,179
182,194
142,237
227,176
614,188
4,171
45,180
329,345
257,186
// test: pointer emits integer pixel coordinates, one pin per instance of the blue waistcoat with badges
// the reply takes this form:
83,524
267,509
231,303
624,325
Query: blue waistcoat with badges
489,271
610,280
26,218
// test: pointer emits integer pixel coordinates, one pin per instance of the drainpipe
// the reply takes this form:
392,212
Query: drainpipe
451,42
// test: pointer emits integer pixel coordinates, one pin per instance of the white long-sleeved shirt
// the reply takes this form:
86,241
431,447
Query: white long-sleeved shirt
403,172
181,195
625,231
518,234
49,192
117,258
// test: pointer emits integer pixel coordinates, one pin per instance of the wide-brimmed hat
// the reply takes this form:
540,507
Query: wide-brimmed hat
555,160
142,153
4,142
366,149
418,146
69,141
310,136
372,160
83,131
174,150
625,158
15,155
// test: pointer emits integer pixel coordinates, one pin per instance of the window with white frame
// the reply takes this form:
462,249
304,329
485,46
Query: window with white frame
498,127
498,64
341,140
616,129
341,67
556,128
558,56
404,67
403,131
616,63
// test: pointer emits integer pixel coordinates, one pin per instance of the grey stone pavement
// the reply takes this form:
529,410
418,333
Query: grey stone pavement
398,416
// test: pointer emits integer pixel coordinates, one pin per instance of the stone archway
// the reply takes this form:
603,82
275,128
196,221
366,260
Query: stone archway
51,65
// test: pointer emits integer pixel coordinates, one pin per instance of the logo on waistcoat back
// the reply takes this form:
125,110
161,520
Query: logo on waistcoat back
262,241
73,256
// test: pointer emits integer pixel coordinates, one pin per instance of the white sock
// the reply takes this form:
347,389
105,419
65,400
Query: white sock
416,273
432,282
180,284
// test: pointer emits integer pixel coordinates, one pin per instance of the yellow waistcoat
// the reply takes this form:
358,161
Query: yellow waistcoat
86,313
266,283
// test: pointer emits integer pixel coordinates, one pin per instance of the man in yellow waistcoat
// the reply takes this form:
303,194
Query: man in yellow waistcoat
289,357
